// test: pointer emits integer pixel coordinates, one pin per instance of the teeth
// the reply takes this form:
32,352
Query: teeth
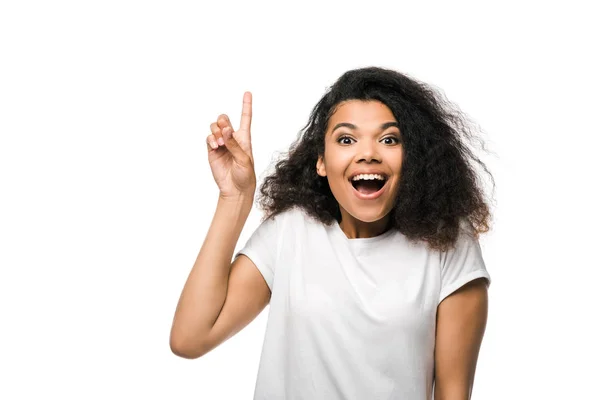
368,177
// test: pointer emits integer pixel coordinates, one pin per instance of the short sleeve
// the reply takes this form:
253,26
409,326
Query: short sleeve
262,247
462,264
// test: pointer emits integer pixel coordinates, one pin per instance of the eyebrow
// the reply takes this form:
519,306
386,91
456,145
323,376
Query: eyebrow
352,126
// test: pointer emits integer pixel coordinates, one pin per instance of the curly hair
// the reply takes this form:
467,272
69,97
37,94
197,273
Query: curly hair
439,189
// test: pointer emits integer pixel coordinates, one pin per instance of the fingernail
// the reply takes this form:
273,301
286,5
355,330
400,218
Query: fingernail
221,141
213,144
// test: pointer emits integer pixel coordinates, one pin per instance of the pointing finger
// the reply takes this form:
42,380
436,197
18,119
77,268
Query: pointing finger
246,112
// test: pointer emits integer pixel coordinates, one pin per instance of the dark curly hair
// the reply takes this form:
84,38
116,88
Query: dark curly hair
439,188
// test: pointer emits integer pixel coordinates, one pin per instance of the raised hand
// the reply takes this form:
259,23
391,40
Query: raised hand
230,154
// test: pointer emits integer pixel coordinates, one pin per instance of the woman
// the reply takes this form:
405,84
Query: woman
368,253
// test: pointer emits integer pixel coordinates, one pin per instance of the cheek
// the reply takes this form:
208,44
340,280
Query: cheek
338,161
336,174
396,160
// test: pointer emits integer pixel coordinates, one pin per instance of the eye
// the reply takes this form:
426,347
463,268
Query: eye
347,138
394,140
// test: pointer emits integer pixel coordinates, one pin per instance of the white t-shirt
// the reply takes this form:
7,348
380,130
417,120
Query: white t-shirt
351,318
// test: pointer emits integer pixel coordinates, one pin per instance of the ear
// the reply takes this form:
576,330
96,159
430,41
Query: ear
321,167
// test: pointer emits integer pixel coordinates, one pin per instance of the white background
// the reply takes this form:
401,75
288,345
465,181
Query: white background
106,193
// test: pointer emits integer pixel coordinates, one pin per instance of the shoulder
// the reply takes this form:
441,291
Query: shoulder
291,216
467,236
295,220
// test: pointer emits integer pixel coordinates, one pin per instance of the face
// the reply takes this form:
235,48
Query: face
362,136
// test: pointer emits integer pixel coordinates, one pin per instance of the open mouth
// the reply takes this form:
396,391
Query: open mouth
369,186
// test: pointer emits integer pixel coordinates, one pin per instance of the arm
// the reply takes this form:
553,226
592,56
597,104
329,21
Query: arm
220,297
461,321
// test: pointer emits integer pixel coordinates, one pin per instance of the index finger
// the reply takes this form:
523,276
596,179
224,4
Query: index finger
246,112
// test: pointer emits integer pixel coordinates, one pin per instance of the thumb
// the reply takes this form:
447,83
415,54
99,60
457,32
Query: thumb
239,155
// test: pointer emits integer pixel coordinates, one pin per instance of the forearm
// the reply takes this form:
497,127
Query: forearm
204,293
459,394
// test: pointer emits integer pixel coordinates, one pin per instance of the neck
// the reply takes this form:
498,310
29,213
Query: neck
357,229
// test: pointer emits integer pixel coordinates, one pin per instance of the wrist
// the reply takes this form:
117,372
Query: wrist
243,198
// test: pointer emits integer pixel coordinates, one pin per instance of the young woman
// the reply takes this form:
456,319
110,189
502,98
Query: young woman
368,253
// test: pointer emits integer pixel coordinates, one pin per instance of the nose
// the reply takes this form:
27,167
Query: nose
367,151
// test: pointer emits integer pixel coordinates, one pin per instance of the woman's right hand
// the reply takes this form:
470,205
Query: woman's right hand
230,154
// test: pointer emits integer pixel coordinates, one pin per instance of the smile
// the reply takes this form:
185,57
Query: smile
369,194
